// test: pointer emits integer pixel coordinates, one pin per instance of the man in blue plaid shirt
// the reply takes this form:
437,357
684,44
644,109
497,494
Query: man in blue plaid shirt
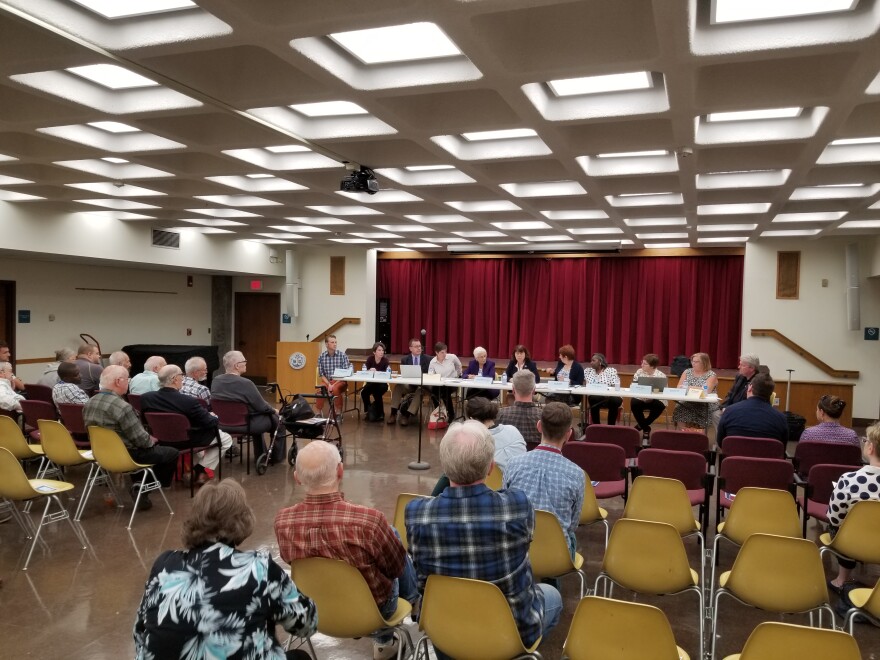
474,532
330,360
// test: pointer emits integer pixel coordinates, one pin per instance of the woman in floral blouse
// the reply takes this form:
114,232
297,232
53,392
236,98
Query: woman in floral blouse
213,601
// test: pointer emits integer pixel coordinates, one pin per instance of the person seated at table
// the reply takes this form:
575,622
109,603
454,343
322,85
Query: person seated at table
520,361
447,365
568,370
697,415
599,373
372,393
829,429
481,365
646,411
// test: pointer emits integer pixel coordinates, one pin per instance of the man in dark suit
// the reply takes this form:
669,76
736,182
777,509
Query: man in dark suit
415,356
754,417
747,367
203,425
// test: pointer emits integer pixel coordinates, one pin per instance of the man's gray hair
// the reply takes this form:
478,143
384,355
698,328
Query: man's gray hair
110,374
750,359
117,357
322,474
153,362
168,373
194,364
4,366
64,354
523,382
466,452
230,358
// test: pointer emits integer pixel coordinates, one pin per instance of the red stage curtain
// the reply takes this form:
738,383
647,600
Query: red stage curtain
622,307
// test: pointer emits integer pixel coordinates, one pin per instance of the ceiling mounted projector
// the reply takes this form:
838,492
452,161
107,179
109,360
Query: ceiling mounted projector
361,180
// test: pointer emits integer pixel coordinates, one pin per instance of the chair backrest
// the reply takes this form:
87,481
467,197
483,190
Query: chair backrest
772,640
626,437
495,479
590,509
740,445
663,570
36,410
603,462
808,454
548,551
58,444
794,581
230,413
696,442
110,451
14,484
740,471
135,401
399,515
661,500
686,466
859,536
762,511
12,438
603,628
35,392
168,427
468,619
346,607
72,417
821,479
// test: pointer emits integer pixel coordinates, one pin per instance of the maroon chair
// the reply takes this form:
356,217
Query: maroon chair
603,463
692,441
818,489
625,437
737,472
135,401
33,411
739,445
72,418
172,430
36,392
235,418
808,454
688,467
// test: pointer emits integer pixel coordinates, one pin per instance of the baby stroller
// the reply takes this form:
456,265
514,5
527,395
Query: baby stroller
298,419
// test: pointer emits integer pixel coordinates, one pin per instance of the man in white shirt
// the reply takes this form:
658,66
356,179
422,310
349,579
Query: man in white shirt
148,381
9,399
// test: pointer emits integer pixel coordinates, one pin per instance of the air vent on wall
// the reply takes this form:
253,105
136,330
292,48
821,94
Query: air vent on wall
166,239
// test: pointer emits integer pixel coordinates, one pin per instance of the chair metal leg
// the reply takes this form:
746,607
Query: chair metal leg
37,534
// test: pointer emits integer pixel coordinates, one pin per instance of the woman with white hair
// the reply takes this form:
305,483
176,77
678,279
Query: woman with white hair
481,365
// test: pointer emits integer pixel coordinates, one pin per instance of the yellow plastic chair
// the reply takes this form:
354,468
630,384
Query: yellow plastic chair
858,538
591,512
495,480
113,457
775,574
346,607
603,628
549,554
756,511
16,487
867,604
399,516
649,558
659,499
775,641
12,438
469,619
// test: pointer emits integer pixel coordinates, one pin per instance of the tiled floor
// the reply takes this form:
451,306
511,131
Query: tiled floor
75,603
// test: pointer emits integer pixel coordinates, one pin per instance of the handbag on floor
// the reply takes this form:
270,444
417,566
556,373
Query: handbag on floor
438,418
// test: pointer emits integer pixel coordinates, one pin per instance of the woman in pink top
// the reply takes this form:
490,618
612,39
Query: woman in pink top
828,412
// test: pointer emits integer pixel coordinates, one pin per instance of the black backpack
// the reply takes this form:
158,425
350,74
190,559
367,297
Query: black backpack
679,364
299,409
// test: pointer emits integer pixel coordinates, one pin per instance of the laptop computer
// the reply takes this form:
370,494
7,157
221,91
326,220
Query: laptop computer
657,383
411,370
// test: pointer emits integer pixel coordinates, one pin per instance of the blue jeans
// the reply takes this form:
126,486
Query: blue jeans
406,587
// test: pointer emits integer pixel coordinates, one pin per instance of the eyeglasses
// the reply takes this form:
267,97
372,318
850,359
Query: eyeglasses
238,363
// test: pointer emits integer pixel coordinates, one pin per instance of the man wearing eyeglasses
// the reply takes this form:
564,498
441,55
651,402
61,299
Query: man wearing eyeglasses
196,372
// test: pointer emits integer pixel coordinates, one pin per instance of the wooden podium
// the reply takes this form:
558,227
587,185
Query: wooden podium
296,366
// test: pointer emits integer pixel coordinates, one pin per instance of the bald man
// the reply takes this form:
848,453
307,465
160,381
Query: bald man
148,381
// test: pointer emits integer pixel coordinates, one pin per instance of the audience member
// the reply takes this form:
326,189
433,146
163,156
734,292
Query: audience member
213,600
567,370
829,429
88,360
50,374
196,373
552,482
372,393
230,386
524,414
9,398
204,429
747,367
328,362
480,366
326,525
521,361
853,487
120,358
6,356
109,410
67,389
447,365
599,373
755,417
148,380
498,526
697,415
409,393
646,411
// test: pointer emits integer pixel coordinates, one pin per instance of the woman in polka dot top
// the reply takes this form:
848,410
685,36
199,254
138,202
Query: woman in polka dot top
863,484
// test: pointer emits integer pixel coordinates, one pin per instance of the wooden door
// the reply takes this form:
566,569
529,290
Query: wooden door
257,331
7,314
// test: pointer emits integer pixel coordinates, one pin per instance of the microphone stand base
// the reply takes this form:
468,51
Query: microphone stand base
419,465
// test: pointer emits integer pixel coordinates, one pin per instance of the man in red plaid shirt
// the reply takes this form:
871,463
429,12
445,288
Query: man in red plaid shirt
325,525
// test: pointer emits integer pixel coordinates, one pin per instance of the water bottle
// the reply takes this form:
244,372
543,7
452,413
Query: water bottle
504,378
705,391
364,367
388,371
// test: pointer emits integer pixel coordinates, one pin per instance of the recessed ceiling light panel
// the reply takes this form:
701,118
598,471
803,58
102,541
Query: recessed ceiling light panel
397,43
